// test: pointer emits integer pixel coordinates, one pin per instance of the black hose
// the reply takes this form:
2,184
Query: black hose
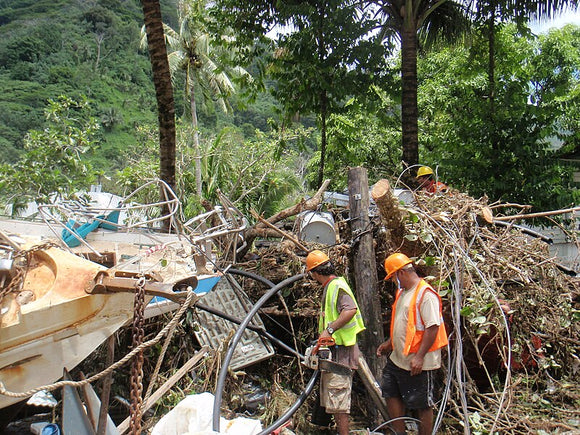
234,342
261,279
254,276
290,411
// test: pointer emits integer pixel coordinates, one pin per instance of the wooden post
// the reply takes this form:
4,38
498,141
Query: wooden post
365,269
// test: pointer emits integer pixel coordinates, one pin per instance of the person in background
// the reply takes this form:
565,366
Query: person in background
340,319
417,334
427,181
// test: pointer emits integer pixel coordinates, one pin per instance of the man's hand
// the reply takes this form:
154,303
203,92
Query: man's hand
325,334
416,365
385,348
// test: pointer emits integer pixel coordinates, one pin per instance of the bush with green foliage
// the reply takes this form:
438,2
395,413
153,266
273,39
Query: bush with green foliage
53,162
503,150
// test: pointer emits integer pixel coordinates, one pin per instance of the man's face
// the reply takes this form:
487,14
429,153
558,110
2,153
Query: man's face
399,276
312,275
423,180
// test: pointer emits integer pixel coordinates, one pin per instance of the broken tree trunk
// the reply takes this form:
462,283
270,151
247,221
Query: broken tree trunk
306,204
364,265
278,231
392,217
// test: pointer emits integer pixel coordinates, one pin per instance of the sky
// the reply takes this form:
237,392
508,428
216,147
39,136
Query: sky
543,26
560,20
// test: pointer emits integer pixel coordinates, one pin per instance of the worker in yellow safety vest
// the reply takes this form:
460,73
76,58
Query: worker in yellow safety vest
340,319
417,334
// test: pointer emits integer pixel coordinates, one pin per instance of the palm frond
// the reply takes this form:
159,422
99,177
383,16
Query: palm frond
445,23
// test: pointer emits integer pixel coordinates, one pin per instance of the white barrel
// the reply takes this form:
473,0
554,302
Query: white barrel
317,227
405,195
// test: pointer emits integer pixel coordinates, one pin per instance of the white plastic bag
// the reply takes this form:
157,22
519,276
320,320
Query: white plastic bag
194,415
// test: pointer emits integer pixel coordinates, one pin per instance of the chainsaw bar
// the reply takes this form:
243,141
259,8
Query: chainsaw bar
334,367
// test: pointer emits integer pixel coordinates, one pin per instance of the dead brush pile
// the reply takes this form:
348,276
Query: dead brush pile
512,313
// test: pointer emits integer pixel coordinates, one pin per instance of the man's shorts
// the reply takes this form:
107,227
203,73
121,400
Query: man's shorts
335,392
417,392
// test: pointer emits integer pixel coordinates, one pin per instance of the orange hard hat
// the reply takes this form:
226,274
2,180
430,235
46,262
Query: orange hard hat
315,259
395,262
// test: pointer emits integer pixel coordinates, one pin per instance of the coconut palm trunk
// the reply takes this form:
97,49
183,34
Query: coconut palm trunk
163,90
409,110
323,142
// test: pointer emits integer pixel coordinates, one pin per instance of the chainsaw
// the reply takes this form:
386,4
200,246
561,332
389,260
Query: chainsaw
318,356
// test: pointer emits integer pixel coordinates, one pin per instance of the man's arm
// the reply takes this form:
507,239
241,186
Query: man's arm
385,348
426,343
344,317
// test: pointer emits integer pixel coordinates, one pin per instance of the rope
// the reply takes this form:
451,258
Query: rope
115,366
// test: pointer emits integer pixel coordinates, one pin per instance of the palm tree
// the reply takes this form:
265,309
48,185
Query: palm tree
426,20
411,21
192,51
163,90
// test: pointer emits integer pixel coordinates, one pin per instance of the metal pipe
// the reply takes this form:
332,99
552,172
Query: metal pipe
525,230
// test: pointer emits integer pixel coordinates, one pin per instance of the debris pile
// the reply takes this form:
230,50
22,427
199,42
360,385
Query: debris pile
512,311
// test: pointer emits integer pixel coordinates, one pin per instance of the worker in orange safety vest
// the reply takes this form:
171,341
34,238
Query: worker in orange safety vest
414,347
428,183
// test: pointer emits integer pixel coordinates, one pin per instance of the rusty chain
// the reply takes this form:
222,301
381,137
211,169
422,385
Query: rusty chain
137,366
15,283
191,297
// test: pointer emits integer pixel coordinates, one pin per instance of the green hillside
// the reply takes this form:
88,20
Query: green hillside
75,48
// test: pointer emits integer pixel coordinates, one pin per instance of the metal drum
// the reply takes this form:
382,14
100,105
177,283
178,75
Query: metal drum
317,227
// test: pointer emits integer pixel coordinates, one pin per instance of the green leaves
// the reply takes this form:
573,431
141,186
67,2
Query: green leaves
53,162
510,146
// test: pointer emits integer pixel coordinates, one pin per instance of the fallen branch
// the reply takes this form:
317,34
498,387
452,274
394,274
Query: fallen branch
536,215
279,231
306,204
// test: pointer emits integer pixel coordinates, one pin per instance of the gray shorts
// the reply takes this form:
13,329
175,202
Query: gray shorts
417,392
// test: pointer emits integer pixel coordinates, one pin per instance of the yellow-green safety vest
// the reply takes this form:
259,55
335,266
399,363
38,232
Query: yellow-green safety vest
345,336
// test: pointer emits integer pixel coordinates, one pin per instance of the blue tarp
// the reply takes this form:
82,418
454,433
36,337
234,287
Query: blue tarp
81,231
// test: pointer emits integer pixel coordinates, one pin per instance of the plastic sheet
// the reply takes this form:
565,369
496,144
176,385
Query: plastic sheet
193,416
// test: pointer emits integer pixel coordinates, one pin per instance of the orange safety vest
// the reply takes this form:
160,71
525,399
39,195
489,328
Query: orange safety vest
415,331
436,187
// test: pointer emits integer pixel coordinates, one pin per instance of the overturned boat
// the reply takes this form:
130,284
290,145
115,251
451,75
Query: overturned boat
69,283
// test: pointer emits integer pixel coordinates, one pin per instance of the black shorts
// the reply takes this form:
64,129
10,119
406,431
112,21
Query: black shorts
417,392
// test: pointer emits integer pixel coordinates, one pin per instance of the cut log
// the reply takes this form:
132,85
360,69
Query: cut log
391,215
